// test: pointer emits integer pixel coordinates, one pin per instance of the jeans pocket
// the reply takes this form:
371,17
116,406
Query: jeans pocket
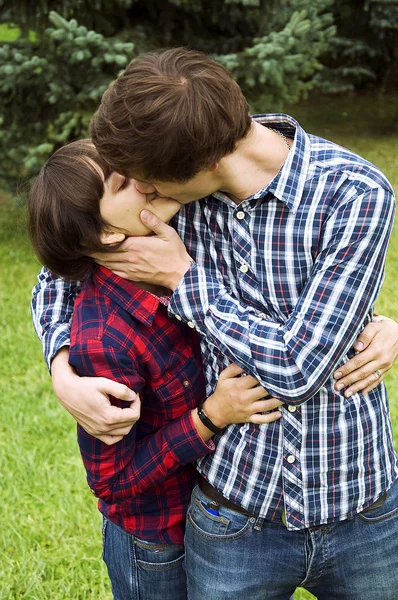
388,510
227,525
153,555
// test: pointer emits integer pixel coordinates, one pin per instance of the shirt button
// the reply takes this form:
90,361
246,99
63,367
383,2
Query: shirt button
240,215
178,317
263,315
244,268
185,383
291,459
191,324
291,408
324,390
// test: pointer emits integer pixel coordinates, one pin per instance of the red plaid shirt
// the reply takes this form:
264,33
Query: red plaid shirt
144,481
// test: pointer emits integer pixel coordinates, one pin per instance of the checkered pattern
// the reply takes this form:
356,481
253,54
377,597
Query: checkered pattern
283,284
144,482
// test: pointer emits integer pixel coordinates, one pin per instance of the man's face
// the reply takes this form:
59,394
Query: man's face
203,184
121,205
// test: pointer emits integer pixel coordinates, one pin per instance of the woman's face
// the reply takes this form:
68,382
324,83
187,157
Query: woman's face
121,204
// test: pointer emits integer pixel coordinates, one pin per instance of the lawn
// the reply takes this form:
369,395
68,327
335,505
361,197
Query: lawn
50,529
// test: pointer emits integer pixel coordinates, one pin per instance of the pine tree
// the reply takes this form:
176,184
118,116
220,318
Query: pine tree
50,89
51,82
364,50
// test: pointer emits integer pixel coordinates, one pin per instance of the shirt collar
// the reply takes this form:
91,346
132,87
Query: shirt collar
288,183
139,303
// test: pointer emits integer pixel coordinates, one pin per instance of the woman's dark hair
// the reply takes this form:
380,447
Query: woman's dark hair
64,210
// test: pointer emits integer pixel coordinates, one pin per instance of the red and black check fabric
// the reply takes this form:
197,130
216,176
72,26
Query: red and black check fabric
122,332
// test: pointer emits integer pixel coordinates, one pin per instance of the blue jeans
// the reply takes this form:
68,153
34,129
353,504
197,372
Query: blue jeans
141,570
228,559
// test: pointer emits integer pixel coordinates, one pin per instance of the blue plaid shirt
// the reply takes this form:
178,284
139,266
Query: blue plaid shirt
282,285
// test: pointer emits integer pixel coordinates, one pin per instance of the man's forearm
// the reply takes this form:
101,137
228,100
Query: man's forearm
293,359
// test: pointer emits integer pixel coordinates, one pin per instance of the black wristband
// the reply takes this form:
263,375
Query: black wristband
206,421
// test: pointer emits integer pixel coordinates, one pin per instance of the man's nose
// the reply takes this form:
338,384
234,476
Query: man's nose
145,188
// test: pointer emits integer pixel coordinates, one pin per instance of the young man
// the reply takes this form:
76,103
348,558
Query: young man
288,261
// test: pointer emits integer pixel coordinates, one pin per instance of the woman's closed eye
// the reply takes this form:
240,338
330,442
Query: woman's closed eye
124,184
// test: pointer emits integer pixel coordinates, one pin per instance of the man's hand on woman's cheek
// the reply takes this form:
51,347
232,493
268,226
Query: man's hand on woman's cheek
161,259
377,348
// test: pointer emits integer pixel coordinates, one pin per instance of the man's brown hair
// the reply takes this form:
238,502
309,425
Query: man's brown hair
171,114
64,217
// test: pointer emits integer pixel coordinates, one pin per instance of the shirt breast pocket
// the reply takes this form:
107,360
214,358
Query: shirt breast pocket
182,391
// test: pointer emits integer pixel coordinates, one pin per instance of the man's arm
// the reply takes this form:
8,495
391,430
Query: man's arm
87,400
52,304
128,468
294,359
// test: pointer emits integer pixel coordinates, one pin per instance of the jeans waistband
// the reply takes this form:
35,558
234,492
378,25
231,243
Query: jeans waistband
216,497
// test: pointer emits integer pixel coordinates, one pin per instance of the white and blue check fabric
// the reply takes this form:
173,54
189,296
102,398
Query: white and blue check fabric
282,285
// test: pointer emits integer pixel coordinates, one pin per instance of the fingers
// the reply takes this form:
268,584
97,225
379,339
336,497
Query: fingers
233,370
256,393
155,224
265,405
373,385
358,365
261,419
366,384
108,426
119,421
118,390
264,411
362,375
367,369
365,338
246,382
378,318
118,255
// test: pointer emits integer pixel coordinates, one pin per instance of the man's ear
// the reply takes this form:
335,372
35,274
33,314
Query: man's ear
111,237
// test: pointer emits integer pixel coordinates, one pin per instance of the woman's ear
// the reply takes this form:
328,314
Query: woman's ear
111,237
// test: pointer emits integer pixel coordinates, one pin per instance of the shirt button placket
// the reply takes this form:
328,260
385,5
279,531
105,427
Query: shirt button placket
242,245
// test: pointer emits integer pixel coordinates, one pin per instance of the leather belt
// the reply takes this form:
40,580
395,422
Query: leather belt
216,497
377,504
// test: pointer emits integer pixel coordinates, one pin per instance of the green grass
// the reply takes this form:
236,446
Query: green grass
50,541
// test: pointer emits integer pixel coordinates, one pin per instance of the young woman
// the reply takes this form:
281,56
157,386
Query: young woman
121,331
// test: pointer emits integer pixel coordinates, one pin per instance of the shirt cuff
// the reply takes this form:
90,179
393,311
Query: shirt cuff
185,441
55,338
